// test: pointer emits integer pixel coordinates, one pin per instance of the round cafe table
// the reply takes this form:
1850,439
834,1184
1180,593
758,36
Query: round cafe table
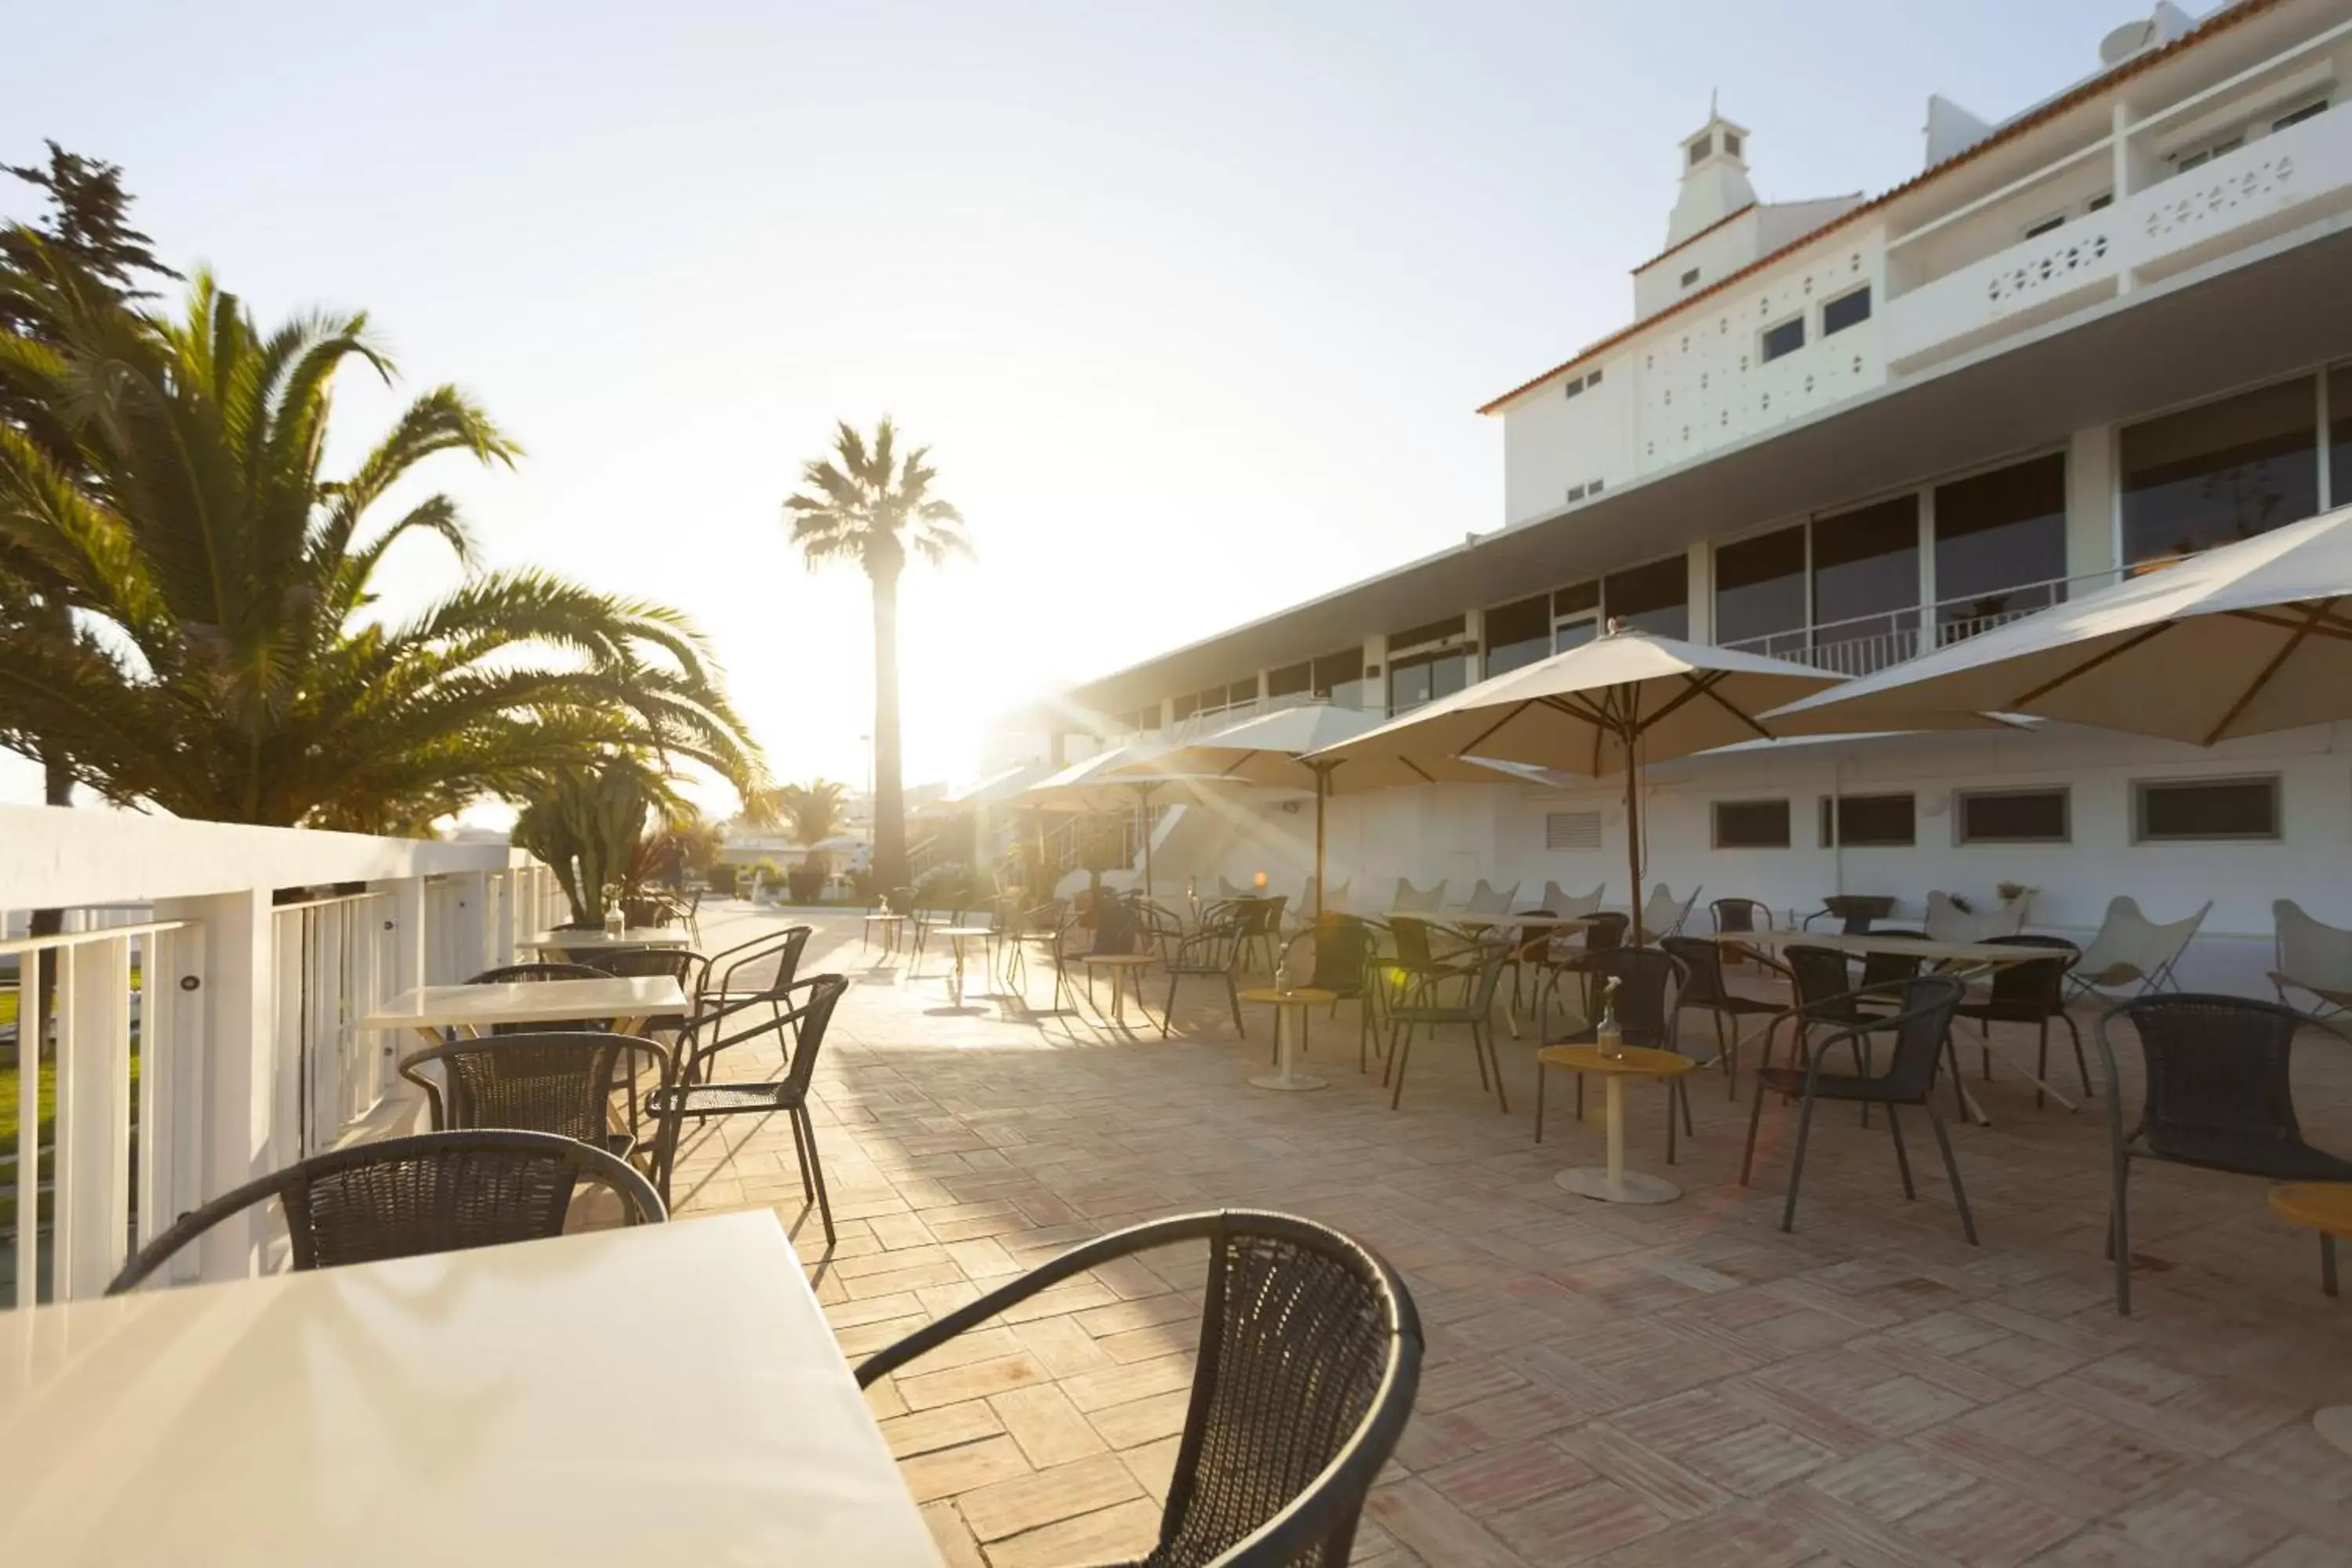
957,936
1123,967
2325,1207
1289,1007
1615,1185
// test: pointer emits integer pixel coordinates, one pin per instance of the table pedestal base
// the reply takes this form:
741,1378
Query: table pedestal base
1289,1076
1629,1187
1289,1080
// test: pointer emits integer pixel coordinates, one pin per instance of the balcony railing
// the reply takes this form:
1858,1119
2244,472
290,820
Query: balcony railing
192,1031
1862,645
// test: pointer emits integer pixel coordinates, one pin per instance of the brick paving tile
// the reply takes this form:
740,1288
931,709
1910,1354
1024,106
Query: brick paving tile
1684,1385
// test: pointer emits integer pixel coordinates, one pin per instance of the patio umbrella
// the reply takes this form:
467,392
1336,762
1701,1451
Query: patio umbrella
1098,784
2249,639
1273,750
1604,706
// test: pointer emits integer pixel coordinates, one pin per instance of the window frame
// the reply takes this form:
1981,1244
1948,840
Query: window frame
1831,829
1962,838
2274,781
1788,822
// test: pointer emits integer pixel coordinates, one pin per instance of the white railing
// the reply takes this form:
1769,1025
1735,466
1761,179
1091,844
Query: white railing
1861,645
217,1037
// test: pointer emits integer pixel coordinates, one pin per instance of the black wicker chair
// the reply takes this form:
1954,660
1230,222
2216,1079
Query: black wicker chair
764,968
1212,953
1853,911
690,969
553,1081
2220,1095
1347,965
435,1192
1476,1009
804,1010
1704,986
1920,1029
1262,928
1646,1017
1883,974
2033,994
1603,933
1309,1358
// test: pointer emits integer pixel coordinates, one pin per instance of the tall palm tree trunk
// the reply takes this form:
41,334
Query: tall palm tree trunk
889,800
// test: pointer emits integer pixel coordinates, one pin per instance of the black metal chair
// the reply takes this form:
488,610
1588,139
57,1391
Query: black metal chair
1604,934
1476,1009
435,1192
1646,1017
689,969
2219,1096
1347,965
1884,973
1704,986
1263,927
2033,992
1920,1029
806,1008
1740,915
764,968
1533,946
554,1081
1212,953
1309,1358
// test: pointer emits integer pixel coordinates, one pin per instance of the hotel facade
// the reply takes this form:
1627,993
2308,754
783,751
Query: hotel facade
2111,329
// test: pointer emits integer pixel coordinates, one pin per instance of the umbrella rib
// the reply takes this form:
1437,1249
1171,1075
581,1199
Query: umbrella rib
1697,686
2325,625
2286,651
2017,705
1490,729
1724,703
1417,768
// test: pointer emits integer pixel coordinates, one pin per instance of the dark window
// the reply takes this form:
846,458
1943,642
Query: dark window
1339,677
2205,809
1701,148
2045,226
2099,203
1731,143
2297,116
1785,338
1577,600
1290,679
1435,632
1185,707
1241,692
2340,434
2203,155
1752,824
2219,472
1866,584
1518,633
1996,534
1653,598
1598,485
1760,590
1690,276
1576,386
2013,817
1424,678
1846,311
1576,492
1866,821
1592,380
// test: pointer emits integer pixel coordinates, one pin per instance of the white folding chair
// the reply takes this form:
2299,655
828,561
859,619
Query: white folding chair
2130,949
2311,955
1486,901
1413,900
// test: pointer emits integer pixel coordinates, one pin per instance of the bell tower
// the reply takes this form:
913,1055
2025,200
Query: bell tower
1715,177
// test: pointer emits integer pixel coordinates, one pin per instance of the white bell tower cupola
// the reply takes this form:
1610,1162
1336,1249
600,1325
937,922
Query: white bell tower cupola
1715,178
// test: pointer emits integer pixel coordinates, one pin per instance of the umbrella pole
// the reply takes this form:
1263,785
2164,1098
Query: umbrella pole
1322,787
1633,839
1143,807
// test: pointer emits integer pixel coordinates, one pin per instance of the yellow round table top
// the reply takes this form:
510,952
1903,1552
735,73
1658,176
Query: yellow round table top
1637,1061
2323,1205
1301,995
1120,957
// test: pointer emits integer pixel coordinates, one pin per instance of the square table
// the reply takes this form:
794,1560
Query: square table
659,1394
1977,957
473,1009
603,941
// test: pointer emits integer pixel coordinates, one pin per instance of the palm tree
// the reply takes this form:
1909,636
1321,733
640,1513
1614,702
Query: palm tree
866,503
815,812
227,657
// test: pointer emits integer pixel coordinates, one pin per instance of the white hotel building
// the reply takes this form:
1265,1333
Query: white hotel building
2110,328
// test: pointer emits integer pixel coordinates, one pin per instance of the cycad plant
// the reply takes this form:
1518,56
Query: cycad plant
872,504
227,658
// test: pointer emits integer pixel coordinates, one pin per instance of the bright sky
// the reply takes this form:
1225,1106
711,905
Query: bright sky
1193,302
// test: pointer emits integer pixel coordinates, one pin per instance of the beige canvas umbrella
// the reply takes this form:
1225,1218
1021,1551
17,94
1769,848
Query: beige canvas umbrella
1272,751
1106,781
2252,637
1601,708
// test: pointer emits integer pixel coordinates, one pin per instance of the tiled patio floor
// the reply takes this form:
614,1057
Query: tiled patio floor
1681,1385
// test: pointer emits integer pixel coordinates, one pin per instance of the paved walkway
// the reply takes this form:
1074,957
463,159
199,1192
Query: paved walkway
1679,1385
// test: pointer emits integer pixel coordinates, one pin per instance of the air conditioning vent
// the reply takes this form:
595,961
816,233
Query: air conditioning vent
1571,830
